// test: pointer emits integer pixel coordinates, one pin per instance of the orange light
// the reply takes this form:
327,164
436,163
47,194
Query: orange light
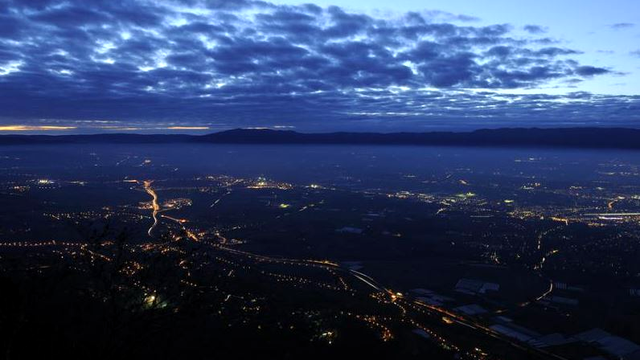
35,128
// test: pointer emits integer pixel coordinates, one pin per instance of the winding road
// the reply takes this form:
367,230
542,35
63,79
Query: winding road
154,204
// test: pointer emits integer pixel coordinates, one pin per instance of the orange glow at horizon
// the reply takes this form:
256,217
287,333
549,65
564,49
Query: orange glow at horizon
35,128
20,128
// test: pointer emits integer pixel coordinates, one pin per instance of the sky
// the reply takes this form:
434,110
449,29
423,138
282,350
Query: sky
199,66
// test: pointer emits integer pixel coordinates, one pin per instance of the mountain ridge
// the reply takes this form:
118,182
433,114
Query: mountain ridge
614,138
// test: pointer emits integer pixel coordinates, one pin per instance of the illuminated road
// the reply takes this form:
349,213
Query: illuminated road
368,280
154,204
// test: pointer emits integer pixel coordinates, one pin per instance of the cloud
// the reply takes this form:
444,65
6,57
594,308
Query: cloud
622,26
394,109
535,29
591,71
188,128
447,16
256,63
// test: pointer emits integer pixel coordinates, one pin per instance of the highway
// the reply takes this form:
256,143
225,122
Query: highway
410,303
154,204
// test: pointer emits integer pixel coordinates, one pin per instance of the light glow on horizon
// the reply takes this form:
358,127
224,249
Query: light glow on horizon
35,128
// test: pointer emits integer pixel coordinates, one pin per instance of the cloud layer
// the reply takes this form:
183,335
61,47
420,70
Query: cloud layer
252,63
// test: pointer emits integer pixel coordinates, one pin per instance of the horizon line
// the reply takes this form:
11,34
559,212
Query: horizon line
32,131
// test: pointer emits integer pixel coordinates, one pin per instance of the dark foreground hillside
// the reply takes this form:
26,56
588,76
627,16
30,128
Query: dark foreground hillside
112,303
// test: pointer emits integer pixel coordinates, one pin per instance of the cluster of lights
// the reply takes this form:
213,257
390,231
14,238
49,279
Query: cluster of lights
28,244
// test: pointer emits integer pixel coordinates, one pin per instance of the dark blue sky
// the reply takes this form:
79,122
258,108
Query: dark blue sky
196,66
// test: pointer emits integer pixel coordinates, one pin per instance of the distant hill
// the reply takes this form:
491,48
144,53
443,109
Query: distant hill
596,138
